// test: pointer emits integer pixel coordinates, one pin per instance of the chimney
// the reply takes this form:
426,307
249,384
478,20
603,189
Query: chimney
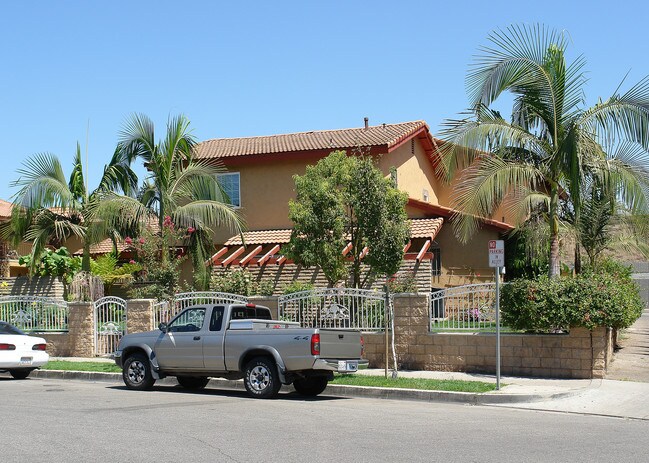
367,122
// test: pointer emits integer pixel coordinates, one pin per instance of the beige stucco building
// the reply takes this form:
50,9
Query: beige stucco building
260,183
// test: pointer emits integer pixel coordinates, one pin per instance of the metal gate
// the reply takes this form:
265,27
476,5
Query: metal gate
352,308
164,311
110,324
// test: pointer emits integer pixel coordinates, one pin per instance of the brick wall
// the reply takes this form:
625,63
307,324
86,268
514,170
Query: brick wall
37,286
579,354
281,275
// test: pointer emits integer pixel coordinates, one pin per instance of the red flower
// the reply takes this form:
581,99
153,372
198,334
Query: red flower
141,240
128,240
191,230
131,261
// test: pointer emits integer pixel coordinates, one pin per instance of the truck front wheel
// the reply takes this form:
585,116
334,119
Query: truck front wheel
311,387
137,373
261,378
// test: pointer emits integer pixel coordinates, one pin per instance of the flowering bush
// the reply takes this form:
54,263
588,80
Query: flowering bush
240,281
163,273
609,298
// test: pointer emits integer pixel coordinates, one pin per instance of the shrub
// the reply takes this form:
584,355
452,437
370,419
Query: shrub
588,300
297,286
402,283
241,281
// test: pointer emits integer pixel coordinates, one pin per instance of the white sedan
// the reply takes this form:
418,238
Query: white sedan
20,353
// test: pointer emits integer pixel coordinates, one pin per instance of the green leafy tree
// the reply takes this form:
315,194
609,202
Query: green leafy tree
178,186
346,199
50,209
553,142
57,263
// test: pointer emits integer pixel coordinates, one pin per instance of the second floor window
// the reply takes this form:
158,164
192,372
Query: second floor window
231,186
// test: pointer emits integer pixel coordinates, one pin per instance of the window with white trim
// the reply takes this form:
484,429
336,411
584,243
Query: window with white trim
230,183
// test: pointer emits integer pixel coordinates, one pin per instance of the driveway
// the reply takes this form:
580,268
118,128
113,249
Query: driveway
631,362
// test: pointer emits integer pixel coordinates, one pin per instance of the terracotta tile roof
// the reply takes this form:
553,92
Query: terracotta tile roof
425,228
386,135
5,209
448,213
261,237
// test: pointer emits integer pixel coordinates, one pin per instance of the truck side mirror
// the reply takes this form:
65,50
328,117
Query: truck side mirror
162,327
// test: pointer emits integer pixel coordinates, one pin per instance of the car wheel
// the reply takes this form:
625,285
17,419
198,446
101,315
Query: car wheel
193,382
261,378
311,387
20,374
137,373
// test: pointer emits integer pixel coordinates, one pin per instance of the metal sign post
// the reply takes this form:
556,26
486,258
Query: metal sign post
497,260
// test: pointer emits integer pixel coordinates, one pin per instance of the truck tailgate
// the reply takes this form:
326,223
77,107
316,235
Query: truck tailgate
340,344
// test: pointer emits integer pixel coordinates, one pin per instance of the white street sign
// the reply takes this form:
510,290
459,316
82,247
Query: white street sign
496,253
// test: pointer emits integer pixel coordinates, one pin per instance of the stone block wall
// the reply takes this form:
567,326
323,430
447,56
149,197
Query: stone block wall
580,354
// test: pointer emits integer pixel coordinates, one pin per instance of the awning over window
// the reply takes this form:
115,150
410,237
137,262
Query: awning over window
264,246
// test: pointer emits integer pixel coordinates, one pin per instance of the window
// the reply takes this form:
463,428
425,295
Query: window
217,318
189,320
436,262
247,313
231,187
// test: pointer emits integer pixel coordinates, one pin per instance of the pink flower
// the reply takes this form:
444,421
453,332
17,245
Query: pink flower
191,230
131,261
141,240
128,240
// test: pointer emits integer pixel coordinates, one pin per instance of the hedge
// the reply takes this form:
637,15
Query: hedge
590,300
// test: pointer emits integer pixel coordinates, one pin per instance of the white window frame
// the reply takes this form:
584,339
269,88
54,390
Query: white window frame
231,174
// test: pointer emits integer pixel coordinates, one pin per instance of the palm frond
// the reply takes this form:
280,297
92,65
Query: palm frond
42,183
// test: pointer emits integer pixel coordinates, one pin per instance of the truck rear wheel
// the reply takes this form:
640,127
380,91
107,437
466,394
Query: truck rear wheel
311,387
193,382
136,373
261,378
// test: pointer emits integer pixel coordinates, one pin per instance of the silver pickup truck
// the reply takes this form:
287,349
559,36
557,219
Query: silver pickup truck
237,341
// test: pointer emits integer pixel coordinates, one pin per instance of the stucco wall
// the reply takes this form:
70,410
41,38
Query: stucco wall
37,286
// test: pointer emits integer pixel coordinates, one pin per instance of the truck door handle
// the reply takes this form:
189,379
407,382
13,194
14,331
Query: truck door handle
197,338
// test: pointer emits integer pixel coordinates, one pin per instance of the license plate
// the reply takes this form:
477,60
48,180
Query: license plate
25,360
345,366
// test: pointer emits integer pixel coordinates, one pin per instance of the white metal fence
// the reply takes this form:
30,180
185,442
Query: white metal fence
35,313
164,311
470,307
110,324
335,308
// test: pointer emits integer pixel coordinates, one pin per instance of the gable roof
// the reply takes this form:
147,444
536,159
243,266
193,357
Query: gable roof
386,136
5,209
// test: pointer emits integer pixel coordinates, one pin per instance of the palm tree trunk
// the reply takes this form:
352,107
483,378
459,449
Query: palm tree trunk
85,261
577,258
555,271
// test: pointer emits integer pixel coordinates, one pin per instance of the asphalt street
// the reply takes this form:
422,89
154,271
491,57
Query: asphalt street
47,420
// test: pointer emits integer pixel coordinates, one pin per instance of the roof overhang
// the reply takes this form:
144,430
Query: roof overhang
448,213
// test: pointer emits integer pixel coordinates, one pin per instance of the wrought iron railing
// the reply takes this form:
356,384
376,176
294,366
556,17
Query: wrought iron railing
335,308
34,313
469,308
164,311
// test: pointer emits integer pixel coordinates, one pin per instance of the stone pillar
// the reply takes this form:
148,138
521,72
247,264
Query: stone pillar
268,301
599,338
139,315
81,329
410,320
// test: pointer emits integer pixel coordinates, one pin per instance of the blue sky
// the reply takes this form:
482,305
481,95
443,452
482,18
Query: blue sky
259,68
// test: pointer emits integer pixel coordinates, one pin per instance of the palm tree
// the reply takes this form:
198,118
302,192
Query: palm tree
48,209
553,142
178,186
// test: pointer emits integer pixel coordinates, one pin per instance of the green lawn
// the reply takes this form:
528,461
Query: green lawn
350,380
81,366
415,383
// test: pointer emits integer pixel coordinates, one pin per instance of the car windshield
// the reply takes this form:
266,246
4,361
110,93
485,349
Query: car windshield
6,328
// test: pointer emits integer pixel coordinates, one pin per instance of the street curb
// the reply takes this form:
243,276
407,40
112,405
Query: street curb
338,390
